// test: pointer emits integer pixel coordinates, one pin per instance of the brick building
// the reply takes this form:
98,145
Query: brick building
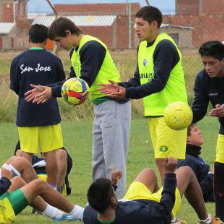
120,9
14,24
205,16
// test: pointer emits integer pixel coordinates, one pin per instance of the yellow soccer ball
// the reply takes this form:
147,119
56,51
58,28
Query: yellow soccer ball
75,91
178,115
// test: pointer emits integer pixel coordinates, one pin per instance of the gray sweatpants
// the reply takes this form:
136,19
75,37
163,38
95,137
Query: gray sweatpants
110,140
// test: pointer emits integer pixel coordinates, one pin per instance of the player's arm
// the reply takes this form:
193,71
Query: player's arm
92,56
200,103
60,73
169,187
190,163
5,182
165,58
115,177
14,82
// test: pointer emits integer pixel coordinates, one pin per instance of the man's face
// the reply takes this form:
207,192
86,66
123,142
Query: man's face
213,66
64,42
143,29
195,137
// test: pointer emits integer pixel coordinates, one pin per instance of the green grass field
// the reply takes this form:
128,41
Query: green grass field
77,139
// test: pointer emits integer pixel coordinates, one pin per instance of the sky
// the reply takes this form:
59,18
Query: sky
166,6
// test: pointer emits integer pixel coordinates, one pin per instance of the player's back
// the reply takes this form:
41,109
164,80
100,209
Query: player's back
132,212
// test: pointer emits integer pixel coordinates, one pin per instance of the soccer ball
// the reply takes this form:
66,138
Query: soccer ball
75,91
178,115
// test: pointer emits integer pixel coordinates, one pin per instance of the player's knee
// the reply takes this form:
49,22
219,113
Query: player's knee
18,181
19,153
62,155
186,171
39,184
150,173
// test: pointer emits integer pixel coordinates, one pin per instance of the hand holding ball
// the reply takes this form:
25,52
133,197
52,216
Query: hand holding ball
75,91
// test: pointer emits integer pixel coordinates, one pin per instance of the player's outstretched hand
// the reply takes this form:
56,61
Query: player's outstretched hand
6,173
116,176
113,90
218,111
170,164
39,94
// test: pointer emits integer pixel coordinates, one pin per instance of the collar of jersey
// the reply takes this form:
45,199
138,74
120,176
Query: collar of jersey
36,48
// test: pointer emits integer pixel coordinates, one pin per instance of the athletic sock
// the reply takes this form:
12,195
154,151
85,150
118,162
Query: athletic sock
207,220
219,190
54,186
77,212
52,212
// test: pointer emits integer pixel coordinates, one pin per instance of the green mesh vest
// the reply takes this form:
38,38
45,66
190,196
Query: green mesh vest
174,90
108,71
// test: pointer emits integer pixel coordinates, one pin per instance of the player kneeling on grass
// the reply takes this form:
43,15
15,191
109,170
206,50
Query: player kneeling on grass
19,187
144,202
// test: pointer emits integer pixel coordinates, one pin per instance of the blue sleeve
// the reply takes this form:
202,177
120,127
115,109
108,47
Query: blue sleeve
92,56
188,162
56,89
200,103
168,193
4,185
14,83
60,74
165,58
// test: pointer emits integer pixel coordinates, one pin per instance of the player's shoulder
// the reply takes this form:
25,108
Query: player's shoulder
93,44
202,76
21,55
51,55
166,45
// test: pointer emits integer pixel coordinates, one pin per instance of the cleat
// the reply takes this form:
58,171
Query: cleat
65,217
178,221
216,221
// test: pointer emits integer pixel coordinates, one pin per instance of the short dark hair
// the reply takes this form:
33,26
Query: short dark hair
189,129
212,48
150,14
38,33
60,25
99,194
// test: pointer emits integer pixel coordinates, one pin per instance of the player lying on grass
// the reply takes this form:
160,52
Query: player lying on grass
19,187
199,166
64,162
144,202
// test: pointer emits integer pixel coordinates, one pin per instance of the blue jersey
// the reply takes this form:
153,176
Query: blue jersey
207,90
141,211
40,67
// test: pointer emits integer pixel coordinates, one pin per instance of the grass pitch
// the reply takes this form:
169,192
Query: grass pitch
77,139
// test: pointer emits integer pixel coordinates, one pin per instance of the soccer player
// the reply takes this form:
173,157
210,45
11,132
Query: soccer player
38,125
159,79
16,194
65,164
209,88
198,165
143,202
92,62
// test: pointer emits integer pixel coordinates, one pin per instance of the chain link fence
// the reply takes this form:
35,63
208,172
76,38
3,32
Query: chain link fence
113,24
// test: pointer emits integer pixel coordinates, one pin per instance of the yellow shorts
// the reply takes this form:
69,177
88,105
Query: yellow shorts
138,190
220,149
47,138
7,214
166,141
